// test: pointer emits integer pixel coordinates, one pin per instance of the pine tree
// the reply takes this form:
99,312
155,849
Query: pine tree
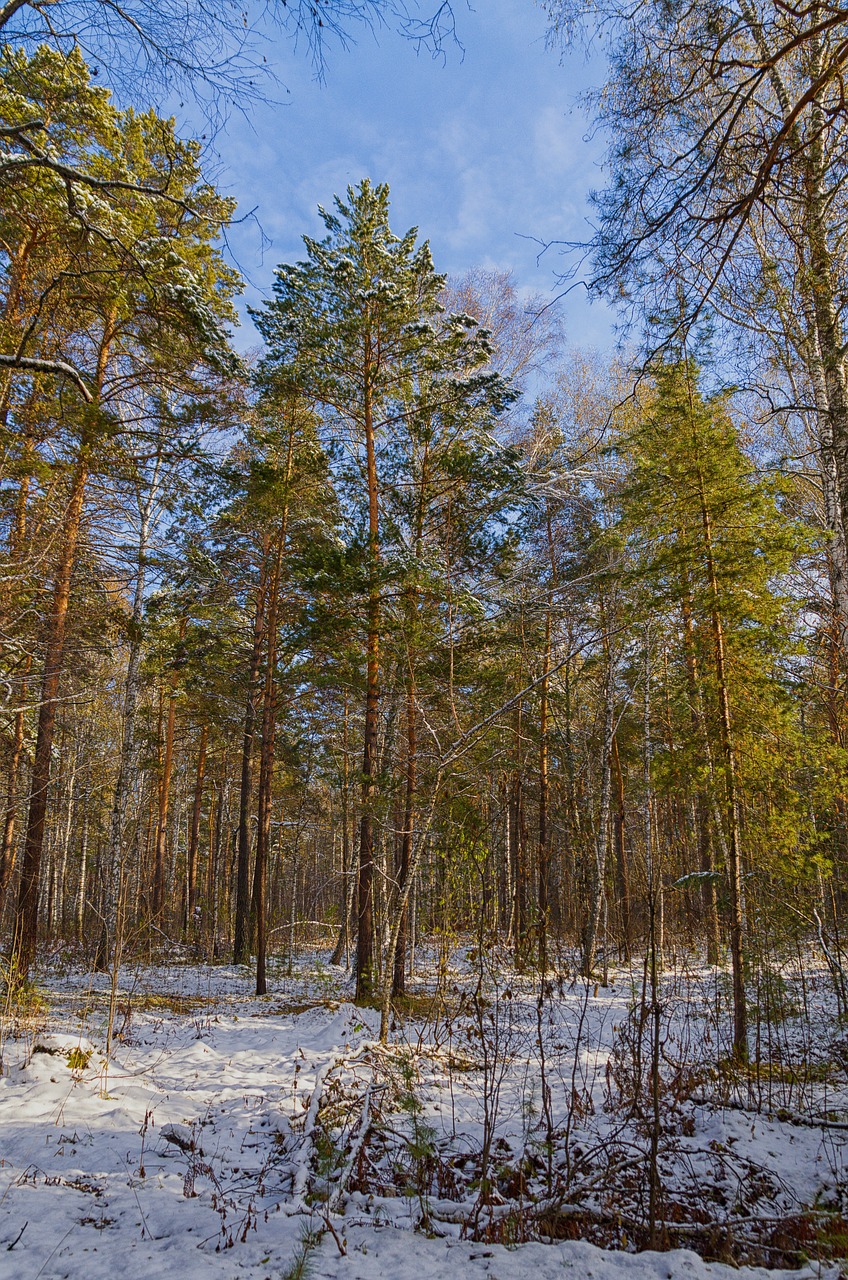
359,327
711,542
133,291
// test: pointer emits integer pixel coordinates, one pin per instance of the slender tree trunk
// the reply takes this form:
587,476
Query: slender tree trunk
16,551
69,784
25,935
824,351
602,836
573,824
342,947
655,910
407,838
702,802
7,849
516,859
266,774
25,939
266,755
622,867
365,975
833,508
504,860
83,879
399,977
544,839
737,928
734,837
419,845
158,904
263,832
194,836
241,938
127,780
213,872
827,356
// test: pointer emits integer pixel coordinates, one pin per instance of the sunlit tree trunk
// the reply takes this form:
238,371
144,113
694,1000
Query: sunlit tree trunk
348,888
266,755
365,976
241,936
24,944
194,834
7,845
405,859
544,838
160,847
734,836
702,801
602,835
127,781
622,866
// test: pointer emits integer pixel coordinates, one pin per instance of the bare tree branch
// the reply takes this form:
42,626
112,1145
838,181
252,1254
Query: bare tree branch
59,367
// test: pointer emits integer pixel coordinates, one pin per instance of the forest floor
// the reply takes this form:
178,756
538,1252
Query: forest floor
501,1133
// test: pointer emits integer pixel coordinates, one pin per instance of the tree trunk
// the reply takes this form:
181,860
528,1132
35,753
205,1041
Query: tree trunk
266,755
602,836
126,784
365,975
622,867
16,546
826,359
266,775
544,840
399,976
241,937
734,838
7,849
194,836
25,939
342,946
213,870
703,801
158,904
516,861
83,878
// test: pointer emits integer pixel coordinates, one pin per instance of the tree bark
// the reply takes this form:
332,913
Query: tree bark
160,847
342,946
266,755
128,764
622,867
704,802
734,836
399,976
602,835
544,839
194,835
365,976
7,849
25,938
16,546
241,936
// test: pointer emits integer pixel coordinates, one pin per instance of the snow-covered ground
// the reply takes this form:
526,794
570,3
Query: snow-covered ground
499,1134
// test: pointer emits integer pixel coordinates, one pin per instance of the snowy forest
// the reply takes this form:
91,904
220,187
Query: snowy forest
423,737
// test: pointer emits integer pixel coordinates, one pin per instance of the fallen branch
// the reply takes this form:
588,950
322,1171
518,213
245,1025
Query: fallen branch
299,1184
356,1146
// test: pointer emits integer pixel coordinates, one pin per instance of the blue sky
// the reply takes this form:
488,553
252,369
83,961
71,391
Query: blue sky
485,150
